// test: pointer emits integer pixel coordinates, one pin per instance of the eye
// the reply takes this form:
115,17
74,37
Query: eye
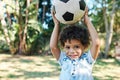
76,47
67,47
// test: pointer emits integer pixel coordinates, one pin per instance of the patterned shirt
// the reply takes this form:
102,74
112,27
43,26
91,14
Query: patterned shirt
78,69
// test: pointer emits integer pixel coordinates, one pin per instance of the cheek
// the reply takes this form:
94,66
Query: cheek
79,52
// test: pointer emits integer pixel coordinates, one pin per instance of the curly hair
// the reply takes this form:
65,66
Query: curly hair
75,32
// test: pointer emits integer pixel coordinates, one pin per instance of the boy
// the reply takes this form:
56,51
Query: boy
75,63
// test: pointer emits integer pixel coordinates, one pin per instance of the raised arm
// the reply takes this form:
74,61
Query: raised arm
54,37
95,47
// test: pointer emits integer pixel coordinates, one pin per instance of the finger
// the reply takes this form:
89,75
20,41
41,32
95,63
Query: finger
53,9
86,10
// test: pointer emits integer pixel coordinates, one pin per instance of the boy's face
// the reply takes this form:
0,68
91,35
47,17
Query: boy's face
73,48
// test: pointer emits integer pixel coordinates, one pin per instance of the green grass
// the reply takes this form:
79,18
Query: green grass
47,68
106,69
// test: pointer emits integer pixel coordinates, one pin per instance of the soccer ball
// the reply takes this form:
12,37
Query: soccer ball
69,11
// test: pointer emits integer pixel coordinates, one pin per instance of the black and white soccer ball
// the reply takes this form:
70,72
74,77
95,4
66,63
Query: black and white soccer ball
69,11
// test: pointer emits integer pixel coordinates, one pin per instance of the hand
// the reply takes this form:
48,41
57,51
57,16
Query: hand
56,22
86,18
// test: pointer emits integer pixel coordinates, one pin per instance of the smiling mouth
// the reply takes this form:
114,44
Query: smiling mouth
73,56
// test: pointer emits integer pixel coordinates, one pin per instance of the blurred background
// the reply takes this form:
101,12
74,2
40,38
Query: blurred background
25,30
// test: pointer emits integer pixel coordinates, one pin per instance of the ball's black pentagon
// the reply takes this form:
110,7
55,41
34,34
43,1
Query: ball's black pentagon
82,4
65,1
68,16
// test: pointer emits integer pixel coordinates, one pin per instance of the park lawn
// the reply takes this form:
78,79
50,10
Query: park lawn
47,68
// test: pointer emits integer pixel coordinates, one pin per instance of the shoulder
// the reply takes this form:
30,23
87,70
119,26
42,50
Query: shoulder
63,57
87,55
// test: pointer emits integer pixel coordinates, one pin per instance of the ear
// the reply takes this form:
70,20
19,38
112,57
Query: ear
84,48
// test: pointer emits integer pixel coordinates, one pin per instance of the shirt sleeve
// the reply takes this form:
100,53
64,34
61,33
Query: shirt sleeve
90,58
60,60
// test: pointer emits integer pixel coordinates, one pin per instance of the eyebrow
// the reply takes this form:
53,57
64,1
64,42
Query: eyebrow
74,44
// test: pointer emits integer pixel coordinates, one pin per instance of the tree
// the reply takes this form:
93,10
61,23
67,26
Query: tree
106,12
109,28
22,12
5,23
23,32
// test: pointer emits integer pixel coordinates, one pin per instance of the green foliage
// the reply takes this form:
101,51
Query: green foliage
38,37
40,44
99,23
3,46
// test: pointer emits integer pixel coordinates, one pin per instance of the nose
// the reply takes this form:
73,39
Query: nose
71,50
